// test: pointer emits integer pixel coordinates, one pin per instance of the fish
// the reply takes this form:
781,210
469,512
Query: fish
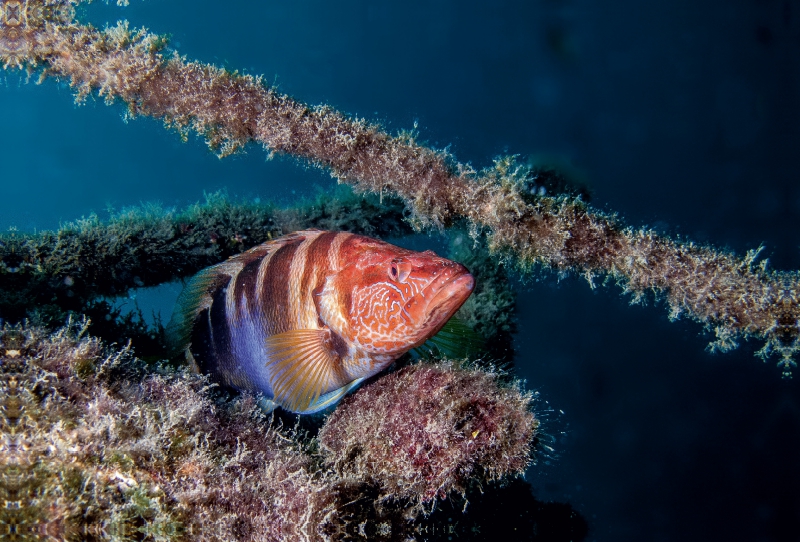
305,318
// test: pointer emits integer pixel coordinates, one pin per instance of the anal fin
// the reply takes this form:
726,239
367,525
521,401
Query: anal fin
332,397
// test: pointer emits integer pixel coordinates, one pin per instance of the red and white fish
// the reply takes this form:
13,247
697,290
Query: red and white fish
305,318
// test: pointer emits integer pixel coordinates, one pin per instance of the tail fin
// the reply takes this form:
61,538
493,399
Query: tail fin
196,296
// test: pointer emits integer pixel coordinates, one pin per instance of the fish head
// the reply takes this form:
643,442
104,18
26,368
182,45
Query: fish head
387,300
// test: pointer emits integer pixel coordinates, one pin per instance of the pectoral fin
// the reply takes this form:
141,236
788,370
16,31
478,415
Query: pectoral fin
302,365
456,340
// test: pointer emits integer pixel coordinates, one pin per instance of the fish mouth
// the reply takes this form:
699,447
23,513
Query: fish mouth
451,291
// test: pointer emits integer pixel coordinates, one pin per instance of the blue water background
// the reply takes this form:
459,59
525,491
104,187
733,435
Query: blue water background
682,115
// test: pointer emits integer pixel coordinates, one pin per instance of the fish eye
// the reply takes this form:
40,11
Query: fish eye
399,270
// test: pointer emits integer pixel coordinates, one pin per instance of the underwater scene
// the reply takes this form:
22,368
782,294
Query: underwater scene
394,271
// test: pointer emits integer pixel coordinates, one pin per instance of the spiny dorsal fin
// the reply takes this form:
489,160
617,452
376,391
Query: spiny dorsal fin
456,340
302,364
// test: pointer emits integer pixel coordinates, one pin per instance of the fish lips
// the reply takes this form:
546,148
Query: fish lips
444,295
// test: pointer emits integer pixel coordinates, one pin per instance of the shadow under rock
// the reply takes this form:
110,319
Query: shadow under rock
510,513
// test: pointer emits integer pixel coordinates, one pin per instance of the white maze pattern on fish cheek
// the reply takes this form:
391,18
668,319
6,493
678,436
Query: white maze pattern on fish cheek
378,309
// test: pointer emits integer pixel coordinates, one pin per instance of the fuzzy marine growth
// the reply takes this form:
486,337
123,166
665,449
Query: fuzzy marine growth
305,318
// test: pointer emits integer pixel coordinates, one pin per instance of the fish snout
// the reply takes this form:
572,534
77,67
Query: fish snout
451,288
441,298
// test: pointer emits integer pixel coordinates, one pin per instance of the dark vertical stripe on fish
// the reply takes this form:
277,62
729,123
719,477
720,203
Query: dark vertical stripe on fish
275,294
316,264
346,300
211,341
345,246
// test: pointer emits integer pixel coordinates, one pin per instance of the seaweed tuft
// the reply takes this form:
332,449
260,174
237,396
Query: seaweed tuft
426,431
97,444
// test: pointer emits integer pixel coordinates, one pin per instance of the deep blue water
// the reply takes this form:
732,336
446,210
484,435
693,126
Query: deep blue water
680,115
